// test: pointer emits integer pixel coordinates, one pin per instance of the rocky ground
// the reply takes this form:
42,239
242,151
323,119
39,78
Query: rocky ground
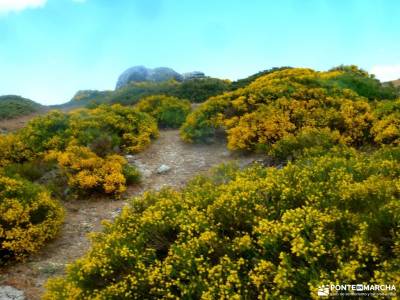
167,162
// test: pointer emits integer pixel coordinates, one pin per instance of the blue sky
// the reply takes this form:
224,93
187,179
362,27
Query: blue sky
50,49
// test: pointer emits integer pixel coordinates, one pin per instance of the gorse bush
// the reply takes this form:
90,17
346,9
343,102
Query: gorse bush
307,140
128,129
241,83
283,102
255,233
168,111
13,150
28,218
87,172
47,132
86,144
386,129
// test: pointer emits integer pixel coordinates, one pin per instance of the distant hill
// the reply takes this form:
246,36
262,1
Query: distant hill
161,74
194,88
138,82
12,106
85,98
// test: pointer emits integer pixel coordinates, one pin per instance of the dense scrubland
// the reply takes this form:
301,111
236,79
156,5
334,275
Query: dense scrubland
322,207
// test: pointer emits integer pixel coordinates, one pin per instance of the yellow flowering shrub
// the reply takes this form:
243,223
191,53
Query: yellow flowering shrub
87,144
262,127
47,132
13,150
255,233
104,129
386,129
284,102
28,218
168,111
116,125
87,172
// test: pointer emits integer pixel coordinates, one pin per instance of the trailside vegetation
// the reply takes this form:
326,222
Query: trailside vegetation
255,233
285,103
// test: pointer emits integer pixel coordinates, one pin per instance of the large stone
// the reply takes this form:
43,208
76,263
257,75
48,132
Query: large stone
142,74
10,293
163,169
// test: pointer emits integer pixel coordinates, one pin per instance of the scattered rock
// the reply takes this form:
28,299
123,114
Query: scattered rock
129,158
163,169
116,213
225,153
50,176
10,293
86,226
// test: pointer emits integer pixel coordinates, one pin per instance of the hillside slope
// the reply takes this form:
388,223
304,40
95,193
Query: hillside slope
12,106
396,82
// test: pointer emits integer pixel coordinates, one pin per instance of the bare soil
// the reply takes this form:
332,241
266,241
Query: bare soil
84,216
14,124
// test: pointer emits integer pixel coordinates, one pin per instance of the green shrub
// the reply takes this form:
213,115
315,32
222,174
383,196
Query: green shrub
252,234
202,123
30,170
28,218
306,140
362,83
168,111
133,92
200,89
132,174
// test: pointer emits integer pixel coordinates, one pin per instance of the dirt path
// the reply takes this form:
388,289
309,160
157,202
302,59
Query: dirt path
85,216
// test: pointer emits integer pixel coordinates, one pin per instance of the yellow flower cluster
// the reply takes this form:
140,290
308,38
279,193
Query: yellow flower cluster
86,143
284,102
88,172
256,233
28,218
12,149
386,129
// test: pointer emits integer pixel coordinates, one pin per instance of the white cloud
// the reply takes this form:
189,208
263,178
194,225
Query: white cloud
18,5
386,72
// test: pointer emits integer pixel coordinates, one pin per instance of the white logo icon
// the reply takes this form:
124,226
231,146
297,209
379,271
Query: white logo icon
323,290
